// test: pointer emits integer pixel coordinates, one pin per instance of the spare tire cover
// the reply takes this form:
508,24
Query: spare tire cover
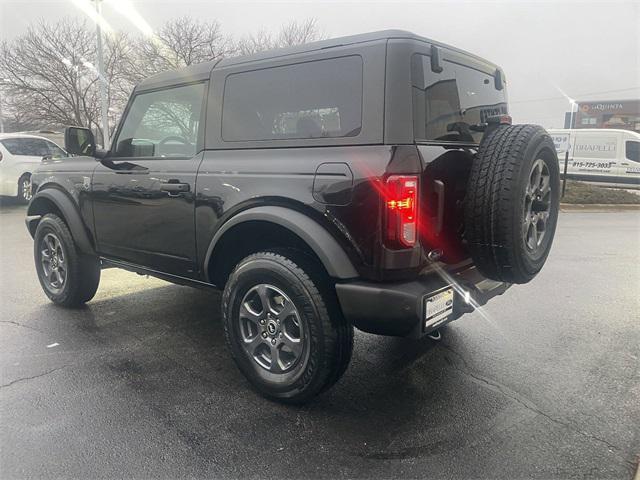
511,203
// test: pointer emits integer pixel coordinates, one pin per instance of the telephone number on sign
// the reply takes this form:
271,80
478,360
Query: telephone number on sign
591,165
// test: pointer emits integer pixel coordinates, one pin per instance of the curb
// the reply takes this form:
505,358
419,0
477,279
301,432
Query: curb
598,207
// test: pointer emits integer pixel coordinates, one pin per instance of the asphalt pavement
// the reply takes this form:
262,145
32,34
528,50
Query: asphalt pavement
544,384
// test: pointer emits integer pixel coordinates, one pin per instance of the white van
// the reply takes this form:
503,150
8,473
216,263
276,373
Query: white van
604,156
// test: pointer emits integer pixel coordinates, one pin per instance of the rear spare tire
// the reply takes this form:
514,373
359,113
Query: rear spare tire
511,205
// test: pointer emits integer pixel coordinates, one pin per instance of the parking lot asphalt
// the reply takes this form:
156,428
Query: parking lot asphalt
545,384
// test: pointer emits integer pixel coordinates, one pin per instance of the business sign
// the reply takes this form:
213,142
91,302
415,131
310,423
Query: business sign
596,147
621,114
561,141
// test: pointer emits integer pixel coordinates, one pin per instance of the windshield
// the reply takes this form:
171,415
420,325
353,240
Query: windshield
448,105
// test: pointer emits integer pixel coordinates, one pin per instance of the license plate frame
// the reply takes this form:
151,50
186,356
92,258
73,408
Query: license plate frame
438,306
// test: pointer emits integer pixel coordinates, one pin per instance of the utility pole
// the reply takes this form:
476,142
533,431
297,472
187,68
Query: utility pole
102,81
1,119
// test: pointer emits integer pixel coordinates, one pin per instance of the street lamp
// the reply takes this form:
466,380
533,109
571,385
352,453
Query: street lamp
125,8
571,117
104,102
95,14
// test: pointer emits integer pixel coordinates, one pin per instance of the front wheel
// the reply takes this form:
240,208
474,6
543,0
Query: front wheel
67,277
284,327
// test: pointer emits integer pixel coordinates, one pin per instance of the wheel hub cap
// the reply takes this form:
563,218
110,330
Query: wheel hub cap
272,327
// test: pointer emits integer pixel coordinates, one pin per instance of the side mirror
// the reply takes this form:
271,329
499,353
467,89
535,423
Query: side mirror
79,141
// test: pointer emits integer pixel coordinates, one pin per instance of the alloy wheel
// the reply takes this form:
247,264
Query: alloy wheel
53,262
272,332
537,205
25,187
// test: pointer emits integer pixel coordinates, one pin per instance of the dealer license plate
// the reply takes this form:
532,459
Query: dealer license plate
438,307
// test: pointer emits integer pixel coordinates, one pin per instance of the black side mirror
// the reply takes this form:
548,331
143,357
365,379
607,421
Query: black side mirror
79,141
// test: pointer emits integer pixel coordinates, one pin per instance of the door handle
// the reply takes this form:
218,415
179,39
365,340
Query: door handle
174,188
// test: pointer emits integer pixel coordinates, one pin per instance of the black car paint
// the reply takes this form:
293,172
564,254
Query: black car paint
132,222
125,201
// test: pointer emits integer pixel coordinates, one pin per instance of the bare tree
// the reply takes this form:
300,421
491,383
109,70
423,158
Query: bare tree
179,43
49,78
290,34
49,75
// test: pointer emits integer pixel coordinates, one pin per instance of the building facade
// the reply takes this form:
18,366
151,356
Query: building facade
623,114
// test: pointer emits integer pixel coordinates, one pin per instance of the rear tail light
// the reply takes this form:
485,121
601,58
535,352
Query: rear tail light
402,210
500,120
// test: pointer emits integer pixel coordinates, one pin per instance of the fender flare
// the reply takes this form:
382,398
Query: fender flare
328,250
70,214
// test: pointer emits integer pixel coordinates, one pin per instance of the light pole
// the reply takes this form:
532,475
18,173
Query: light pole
571,117
1,118
104,102
2,81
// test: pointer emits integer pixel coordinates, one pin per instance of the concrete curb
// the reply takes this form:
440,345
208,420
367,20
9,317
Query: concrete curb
598,207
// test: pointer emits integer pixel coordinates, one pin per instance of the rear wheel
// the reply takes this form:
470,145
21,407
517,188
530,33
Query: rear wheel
67,277
284,327
511,206
24,188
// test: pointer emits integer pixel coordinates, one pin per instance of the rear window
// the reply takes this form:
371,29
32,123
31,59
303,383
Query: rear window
447,104
33,147
319,99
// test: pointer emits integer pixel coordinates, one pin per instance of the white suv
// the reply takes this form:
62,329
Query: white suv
19,155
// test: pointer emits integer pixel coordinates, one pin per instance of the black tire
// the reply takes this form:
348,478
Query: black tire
24,189
501,203
326,338
81,273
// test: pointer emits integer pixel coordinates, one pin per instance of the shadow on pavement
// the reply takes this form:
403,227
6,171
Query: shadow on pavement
165,342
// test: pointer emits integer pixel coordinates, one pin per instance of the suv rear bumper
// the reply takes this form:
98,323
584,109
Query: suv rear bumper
397,309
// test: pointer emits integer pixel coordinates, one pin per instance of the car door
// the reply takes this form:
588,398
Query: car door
143,192
629,174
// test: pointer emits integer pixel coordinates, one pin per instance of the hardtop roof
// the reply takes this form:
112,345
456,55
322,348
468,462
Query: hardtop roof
201,71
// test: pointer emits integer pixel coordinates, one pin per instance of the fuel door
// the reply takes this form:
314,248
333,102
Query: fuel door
333,184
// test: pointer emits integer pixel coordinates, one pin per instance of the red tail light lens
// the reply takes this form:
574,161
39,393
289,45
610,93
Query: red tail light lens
402,210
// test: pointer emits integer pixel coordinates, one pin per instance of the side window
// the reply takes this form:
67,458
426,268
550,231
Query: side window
164,123
13,146
632,149
32,147
318,99
55,151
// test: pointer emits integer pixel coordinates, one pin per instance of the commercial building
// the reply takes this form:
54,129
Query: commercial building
621,114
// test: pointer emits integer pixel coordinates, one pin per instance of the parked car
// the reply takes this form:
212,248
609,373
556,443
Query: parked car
600,156
372,180
19,155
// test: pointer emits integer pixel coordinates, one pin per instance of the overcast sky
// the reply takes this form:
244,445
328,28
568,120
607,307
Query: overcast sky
582,48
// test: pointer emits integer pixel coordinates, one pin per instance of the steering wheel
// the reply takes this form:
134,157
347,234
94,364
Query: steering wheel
172,138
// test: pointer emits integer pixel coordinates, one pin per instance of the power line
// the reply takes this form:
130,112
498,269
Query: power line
580,95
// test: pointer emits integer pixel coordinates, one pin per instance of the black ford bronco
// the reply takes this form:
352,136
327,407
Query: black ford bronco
373,181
